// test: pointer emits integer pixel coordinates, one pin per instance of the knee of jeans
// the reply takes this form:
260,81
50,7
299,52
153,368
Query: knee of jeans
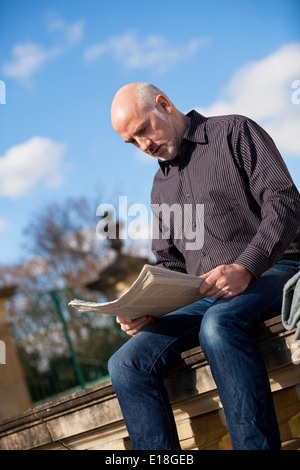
115,366
122,362
213,330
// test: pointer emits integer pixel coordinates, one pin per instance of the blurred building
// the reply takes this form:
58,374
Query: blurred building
14,396
118,276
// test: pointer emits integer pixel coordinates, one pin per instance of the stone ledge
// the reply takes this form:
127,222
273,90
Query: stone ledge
92,419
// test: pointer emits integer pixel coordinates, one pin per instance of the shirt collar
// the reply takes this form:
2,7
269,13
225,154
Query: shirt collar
195,132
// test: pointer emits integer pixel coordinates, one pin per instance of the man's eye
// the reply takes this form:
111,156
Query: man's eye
141,131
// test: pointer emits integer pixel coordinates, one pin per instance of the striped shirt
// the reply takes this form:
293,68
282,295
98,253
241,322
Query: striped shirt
230,187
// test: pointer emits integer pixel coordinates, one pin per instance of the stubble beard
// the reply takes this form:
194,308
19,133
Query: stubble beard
173,149
173,145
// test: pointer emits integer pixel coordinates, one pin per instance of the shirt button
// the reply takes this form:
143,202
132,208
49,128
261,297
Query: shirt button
194,224
188,195
203,253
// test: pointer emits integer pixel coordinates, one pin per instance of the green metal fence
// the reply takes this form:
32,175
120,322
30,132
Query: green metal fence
61,350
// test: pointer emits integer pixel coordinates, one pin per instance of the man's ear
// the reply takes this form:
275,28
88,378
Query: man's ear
163,102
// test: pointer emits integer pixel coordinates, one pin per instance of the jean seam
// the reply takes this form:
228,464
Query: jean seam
166,411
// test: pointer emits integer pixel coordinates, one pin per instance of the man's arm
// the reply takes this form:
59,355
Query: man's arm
272,187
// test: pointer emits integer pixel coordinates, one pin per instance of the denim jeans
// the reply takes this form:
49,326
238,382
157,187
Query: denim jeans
224,329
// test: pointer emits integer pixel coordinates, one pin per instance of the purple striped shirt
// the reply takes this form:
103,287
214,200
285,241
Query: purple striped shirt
249,208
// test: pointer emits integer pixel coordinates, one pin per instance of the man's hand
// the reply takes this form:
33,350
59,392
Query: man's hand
225,281
133,327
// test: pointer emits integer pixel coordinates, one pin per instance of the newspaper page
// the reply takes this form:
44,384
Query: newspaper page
155,292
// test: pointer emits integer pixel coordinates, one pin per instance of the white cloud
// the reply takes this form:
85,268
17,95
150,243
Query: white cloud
26,165
142,157
153,52
263,91
73,32
28,59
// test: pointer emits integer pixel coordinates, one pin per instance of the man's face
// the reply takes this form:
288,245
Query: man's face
152,131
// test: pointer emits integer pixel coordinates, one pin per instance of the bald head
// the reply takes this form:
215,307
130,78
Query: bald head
124,104
131,99
143,115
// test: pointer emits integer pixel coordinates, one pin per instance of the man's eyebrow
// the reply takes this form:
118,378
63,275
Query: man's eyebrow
138,130
141,127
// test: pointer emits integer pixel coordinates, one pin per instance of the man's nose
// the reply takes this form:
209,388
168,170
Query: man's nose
144,144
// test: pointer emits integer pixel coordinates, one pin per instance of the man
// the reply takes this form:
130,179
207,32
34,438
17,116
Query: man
250,250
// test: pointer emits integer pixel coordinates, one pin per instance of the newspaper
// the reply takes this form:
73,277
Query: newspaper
155,292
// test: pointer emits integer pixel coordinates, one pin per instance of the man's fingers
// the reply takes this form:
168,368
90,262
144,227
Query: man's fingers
133,326
209,284
226,281
123,320
204,276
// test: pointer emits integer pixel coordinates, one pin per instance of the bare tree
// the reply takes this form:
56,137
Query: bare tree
64,237
65,254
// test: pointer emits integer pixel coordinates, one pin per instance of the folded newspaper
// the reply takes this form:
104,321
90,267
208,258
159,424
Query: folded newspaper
155,292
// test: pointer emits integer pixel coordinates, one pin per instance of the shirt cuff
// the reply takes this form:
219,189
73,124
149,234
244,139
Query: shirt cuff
254,260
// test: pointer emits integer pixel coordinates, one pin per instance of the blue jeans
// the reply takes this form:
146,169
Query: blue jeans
223,328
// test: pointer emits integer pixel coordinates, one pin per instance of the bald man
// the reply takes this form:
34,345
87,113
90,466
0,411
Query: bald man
251,248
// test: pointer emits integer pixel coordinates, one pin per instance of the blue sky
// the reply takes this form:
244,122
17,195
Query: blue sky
62,62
